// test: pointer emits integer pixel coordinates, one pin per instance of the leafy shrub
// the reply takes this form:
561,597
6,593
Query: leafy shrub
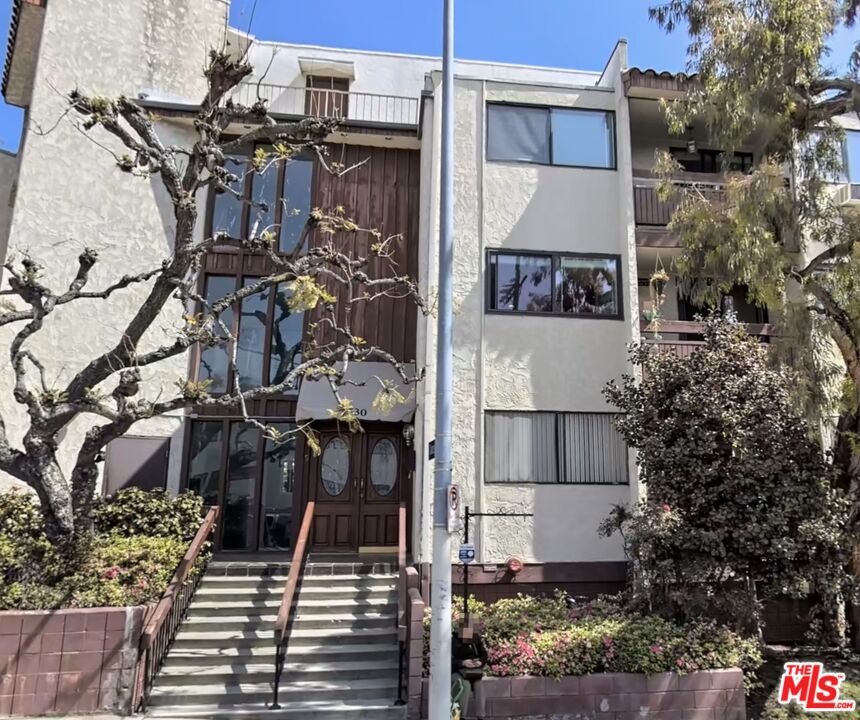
115,571
155,513
529,635
740,499
139,541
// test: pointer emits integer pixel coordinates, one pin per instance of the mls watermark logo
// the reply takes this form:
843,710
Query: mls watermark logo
811,687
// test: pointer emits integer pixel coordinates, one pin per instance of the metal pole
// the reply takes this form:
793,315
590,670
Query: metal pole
466,575
440,595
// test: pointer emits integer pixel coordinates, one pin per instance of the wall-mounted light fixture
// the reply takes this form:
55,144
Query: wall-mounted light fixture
408,434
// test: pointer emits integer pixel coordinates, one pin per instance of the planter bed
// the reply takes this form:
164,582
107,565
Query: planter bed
69,661
703,695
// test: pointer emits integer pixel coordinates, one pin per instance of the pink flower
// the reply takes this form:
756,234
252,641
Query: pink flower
666,507
112,573
656,649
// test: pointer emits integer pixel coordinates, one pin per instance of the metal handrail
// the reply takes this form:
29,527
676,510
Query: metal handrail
286,610
346,105
164,619
402,596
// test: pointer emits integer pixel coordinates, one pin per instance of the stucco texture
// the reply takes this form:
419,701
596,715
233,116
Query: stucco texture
71,195
529,363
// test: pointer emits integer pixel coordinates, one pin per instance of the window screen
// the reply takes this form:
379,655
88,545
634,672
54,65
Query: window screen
518,133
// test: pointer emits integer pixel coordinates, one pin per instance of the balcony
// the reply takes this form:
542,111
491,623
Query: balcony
677,329
353,108
653,214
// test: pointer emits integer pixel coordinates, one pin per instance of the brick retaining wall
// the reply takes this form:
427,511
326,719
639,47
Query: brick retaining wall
707,695
68,661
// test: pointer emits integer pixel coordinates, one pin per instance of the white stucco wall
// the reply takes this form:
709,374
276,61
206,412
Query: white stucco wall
71,195
530,363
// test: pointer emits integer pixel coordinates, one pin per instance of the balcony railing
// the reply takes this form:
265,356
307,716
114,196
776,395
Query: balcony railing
651,210
351,107
683,348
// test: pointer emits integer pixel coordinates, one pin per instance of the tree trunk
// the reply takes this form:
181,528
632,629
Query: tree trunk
44,475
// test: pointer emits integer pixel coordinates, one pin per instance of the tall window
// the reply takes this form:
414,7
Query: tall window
556,136
267,332
230,464
553,447
575,285
283,187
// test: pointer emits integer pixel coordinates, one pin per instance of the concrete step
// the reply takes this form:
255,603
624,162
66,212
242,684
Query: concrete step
369,709
195,673
219,593
229,655
187,638
264,619
254,603
226,694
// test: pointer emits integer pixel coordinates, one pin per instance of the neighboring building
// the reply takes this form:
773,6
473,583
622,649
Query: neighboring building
557,231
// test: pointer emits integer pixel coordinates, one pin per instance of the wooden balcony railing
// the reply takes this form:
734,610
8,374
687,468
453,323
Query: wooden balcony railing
683,348
691,327
346,105
285,612
164,620
650,210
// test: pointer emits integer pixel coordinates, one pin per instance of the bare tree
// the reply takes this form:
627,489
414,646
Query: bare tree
107,389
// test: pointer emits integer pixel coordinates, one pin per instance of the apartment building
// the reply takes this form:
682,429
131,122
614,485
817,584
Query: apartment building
557,231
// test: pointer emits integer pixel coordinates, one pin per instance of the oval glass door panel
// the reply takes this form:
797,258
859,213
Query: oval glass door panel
335,467
383,467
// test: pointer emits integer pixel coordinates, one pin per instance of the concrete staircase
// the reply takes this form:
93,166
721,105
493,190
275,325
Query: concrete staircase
342,655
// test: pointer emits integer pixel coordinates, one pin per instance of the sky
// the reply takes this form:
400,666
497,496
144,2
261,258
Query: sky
556,33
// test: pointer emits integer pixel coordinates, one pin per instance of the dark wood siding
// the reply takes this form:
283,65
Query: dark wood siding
383,193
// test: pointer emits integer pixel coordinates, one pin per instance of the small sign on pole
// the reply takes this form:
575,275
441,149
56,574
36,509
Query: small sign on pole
455,523
467,553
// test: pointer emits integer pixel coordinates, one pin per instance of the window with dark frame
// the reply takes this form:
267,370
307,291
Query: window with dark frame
551,448
284,187
570,284
268,336
327,96
231,457
571,137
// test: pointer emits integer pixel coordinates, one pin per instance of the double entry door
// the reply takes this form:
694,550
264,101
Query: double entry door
357,482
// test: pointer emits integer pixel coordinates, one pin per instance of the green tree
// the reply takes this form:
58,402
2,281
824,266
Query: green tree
763,77
740,504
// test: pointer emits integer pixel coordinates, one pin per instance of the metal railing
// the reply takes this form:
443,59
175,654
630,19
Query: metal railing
285,612
346,105
163,621
651,210
401,619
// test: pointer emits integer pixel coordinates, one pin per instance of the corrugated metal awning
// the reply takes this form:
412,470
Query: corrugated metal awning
316,399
